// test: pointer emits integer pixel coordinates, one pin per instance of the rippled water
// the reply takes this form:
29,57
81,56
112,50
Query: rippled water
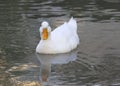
96,62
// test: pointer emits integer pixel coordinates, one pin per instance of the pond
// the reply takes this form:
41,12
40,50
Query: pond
96,61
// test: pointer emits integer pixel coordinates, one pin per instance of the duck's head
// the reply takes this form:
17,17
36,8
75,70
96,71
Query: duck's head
45,30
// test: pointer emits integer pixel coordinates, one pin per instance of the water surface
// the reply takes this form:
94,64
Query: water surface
96,62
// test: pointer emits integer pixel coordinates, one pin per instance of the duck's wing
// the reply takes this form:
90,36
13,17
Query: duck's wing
66,32
60,34
68,28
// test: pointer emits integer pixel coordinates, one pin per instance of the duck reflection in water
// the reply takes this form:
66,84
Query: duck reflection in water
46,60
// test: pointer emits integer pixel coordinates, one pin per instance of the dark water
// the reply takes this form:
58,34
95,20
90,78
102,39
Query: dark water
96,62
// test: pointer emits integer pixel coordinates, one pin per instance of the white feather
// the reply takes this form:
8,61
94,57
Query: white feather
61,40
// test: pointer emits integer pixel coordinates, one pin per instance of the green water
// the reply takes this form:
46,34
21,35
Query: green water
96,61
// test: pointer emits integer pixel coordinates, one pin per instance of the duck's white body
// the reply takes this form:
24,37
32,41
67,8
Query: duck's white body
61,40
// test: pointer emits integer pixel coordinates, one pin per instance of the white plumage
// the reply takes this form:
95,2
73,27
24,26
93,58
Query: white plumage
61,40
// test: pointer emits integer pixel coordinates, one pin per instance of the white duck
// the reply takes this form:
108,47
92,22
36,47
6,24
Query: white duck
61,40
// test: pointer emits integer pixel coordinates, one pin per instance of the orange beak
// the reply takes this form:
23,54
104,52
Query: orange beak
45,34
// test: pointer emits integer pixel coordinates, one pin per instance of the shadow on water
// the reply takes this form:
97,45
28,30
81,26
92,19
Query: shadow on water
48,60
30,74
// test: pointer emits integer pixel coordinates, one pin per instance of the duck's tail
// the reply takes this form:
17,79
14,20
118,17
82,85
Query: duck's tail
73,24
